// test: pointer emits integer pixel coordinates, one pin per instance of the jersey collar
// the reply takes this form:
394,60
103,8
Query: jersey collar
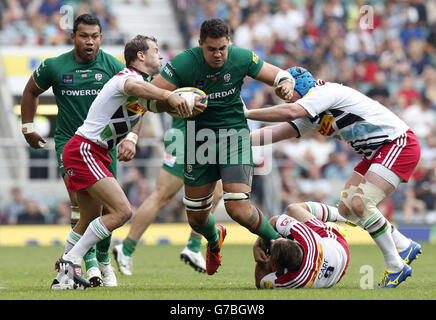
144,75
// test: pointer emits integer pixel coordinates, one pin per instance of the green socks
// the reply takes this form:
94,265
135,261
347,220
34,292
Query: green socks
194,242
210,232
265,230
90,257
103,249
129,246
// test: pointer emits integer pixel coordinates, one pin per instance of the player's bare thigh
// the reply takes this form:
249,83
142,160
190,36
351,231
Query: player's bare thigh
167,185
299,211
72,195
110,194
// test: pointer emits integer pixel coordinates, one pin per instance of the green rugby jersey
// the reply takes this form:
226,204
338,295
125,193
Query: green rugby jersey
222,85
178,123
75,86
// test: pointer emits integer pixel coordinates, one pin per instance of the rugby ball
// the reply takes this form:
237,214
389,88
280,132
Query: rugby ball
189,93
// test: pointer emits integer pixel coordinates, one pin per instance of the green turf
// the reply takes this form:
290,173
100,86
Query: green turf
26,273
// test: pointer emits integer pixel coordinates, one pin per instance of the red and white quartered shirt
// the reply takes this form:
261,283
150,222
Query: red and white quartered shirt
325,258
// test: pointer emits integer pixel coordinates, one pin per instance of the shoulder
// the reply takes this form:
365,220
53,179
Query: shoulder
190,56
61,60
242,55
108,58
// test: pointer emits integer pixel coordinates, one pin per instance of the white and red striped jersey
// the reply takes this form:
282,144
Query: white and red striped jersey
113,113
344,113
325,255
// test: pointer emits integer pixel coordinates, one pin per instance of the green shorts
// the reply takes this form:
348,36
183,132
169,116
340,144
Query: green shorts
60,148
209,154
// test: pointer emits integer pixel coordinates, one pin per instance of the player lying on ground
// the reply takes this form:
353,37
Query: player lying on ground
389,147
111,117
310,254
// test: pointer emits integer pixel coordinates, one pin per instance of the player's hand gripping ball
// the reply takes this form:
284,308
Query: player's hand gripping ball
189,93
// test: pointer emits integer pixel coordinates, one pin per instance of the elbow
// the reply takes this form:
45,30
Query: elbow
290,114
129,88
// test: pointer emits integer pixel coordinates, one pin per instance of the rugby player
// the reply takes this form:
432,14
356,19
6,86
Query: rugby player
110,119
389,148
310,253
76,77
217,141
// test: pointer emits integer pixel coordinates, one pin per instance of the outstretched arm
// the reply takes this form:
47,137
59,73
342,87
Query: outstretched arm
147,90
272,134
279,113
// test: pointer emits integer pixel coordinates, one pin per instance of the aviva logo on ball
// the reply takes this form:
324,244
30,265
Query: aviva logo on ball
189,93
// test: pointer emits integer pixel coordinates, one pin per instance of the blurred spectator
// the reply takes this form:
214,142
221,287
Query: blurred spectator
166,53
286,21
428,152
407,95
62,214
429,79
393,60
414,209
339,168
314,187
418,57
31,214
37,22
379,90
420,117
15,207
425,188
135,186
245,34
138,193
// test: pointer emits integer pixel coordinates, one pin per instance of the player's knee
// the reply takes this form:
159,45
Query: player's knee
197,220
295,207
237,210
244,214
124,214
217,194
357,205
161,197
343,209
365,200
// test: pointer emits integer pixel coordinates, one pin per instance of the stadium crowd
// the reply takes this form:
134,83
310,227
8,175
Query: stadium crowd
386,49
45,22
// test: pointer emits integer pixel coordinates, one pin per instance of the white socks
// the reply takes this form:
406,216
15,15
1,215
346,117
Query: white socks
95,232
379,228
324,212
401,241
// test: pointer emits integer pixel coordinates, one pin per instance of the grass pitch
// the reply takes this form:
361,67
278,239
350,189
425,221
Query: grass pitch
26,274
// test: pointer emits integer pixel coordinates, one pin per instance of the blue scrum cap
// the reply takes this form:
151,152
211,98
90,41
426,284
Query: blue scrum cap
303,80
